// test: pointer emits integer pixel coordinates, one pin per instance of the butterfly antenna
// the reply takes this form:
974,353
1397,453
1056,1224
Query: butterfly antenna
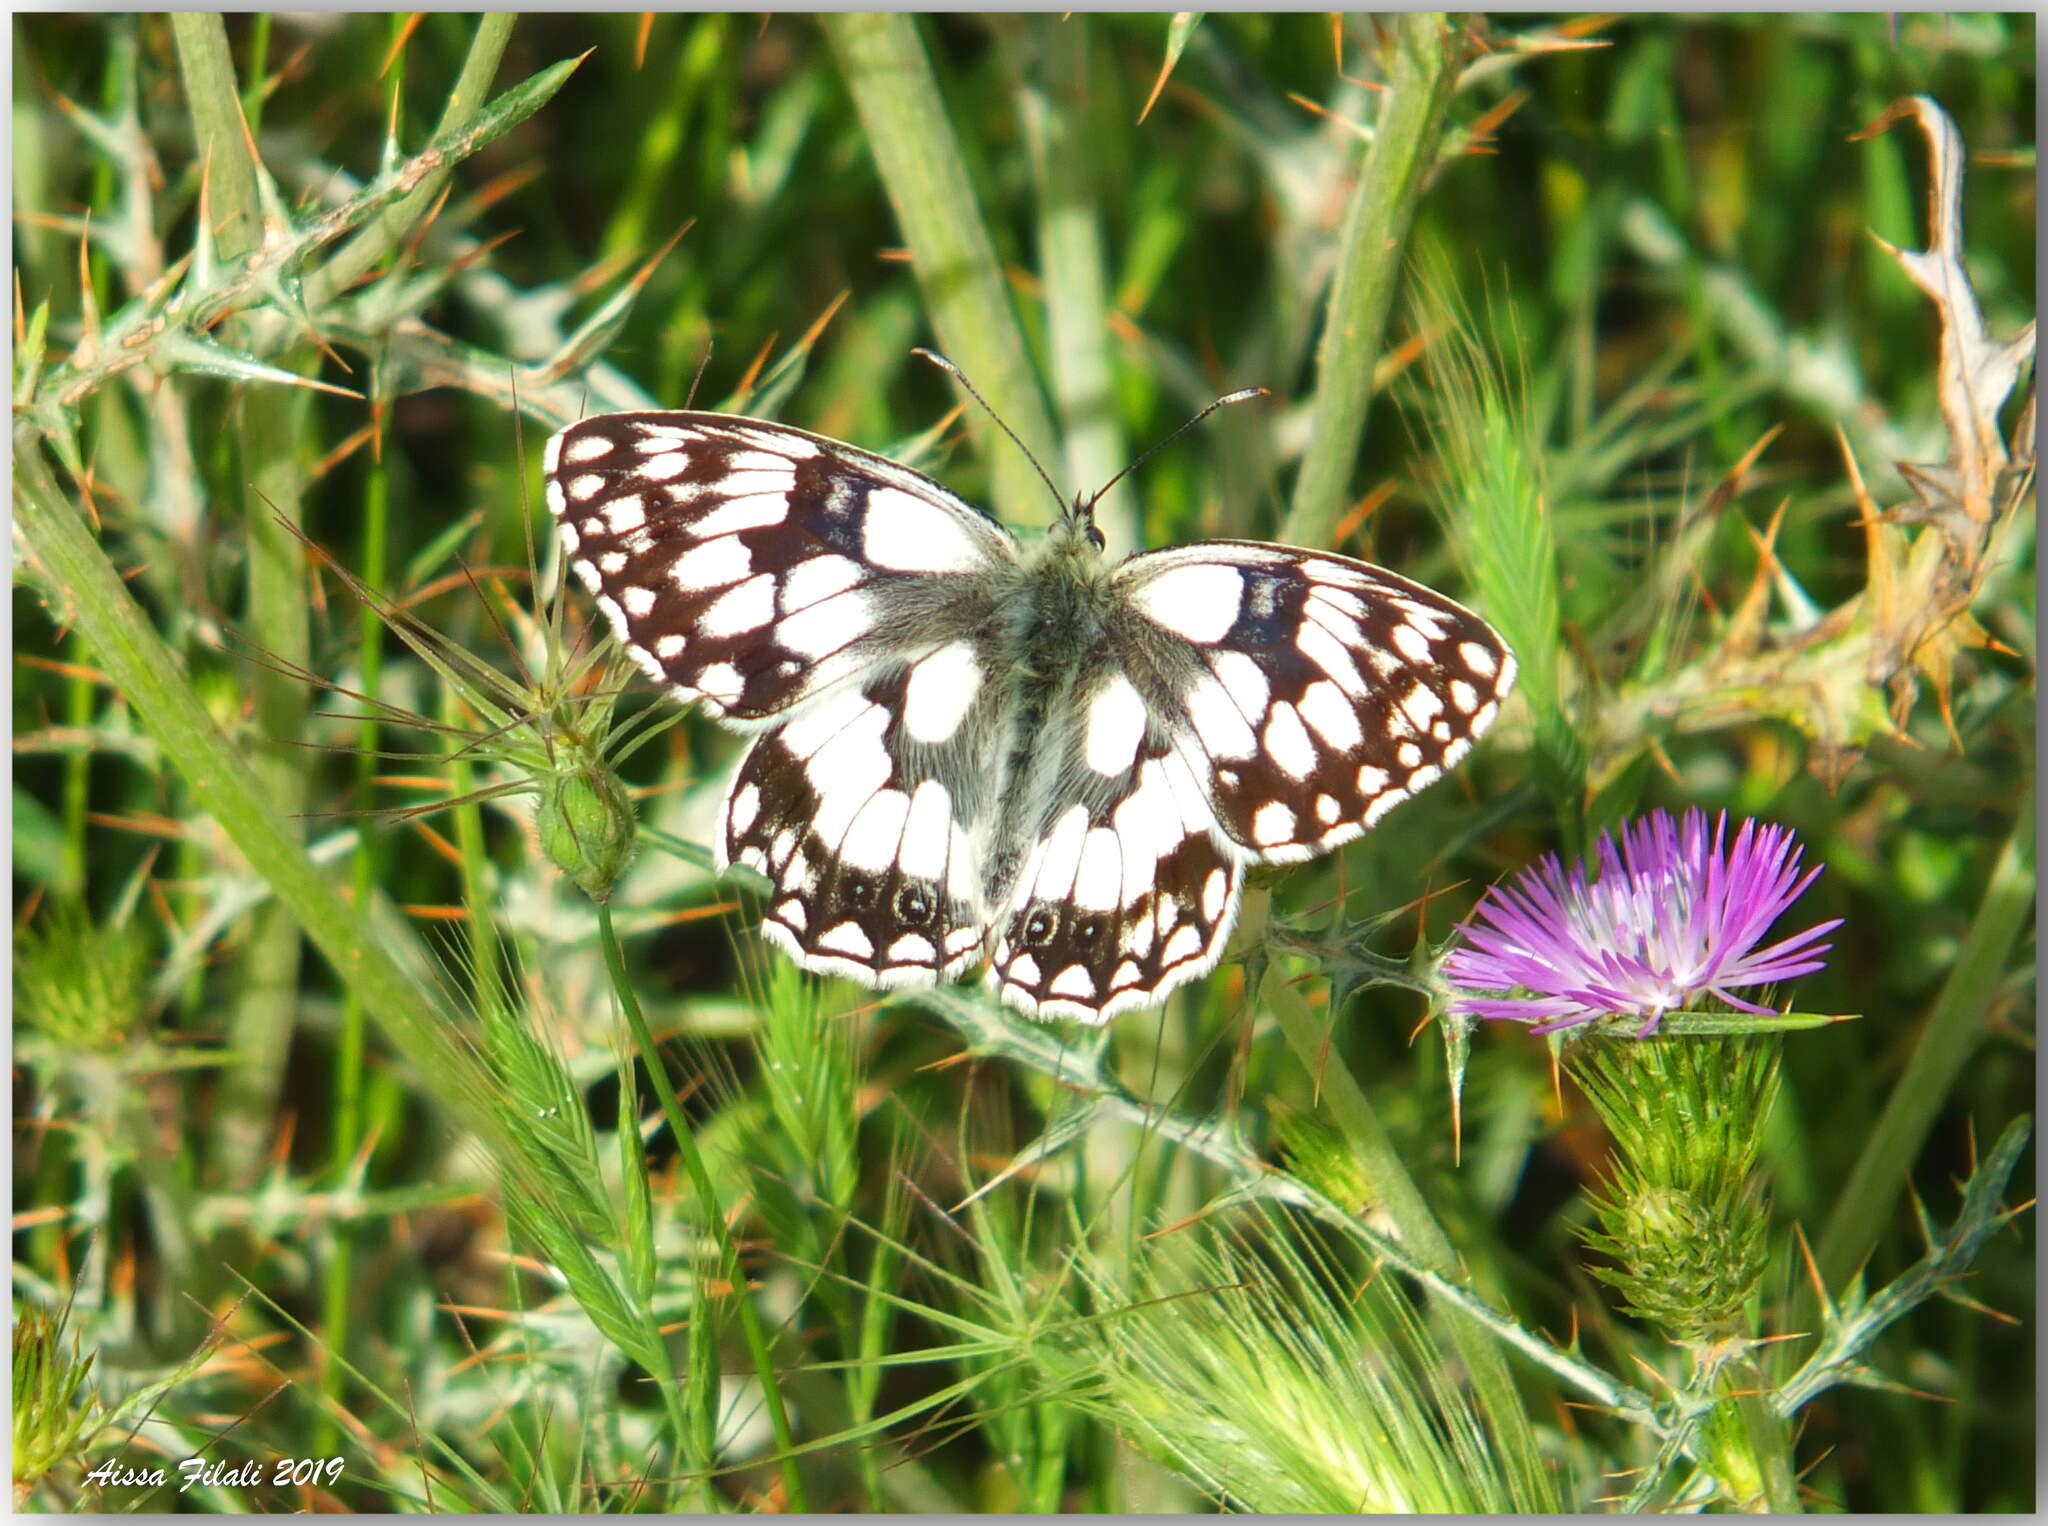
703,363
1242,395
961,377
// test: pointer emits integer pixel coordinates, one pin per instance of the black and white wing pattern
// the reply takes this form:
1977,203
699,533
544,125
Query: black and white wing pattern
830,599
967,750
1254,703
859,810
1131,889
753,566
1309,692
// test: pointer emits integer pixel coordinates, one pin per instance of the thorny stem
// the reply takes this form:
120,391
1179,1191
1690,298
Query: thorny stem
1422,78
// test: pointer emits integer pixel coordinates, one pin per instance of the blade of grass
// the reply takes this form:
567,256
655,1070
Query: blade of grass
1423,72
885,66
1056,101
712,1210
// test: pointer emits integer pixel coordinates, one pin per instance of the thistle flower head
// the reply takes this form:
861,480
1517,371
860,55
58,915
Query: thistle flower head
1674,914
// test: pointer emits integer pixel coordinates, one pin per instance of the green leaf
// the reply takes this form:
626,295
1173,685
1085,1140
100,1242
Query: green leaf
1178,32
38,846
208,357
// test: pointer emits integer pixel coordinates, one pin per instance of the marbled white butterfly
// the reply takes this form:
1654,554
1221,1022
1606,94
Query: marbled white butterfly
974,749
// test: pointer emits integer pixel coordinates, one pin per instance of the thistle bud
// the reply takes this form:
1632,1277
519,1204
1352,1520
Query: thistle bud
82,983
1684,1215
587,827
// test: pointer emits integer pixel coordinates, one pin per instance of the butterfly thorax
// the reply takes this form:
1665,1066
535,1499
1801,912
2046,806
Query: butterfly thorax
1051,638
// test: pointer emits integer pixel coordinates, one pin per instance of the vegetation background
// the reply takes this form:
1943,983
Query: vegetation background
332,1139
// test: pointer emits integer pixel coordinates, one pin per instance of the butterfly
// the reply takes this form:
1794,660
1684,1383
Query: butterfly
970,748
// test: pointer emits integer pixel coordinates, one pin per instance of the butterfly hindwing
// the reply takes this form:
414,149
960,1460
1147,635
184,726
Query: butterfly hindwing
875,876
1129,889
753,566
1311,693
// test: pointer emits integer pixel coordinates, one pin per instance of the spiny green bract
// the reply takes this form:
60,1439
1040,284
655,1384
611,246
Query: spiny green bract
1683,1215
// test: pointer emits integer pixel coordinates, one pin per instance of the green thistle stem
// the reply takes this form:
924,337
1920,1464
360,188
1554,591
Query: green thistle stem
1767,1440
1421,78
234,215
925,175
78,701
385,232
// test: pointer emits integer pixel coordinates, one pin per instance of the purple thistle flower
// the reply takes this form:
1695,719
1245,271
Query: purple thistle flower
1672,917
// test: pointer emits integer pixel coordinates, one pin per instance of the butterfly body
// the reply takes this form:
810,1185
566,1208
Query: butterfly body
973,748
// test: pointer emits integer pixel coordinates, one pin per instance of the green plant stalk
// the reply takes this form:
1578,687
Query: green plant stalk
1953,1029
348,1058
362,253
234,211
78,701
714,1215
1395,1193
1768,1436
272,424
1055,102
365,953
915,149
863,1377
1422,76
262,1017
1050,1426
259,60
115,84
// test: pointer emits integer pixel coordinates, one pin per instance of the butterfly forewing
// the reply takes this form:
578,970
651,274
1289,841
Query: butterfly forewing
1311,693
753,566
